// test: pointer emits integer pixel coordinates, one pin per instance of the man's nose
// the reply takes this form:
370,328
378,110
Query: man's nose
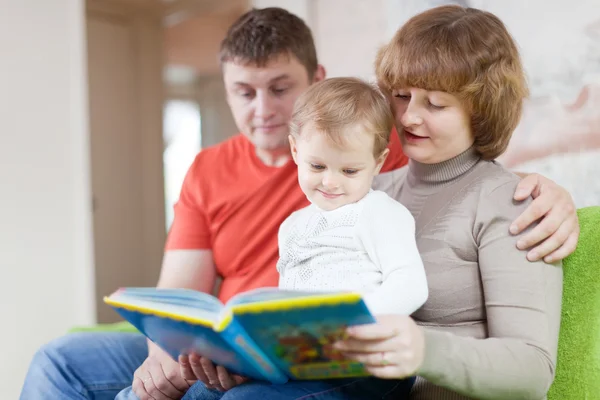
265,106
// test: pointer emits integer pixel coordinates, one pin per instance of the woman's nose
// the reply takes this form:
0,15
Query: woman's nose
411,117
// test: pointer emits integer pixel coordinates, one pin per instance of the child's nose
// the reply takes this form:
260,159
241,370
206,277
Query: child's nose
330,181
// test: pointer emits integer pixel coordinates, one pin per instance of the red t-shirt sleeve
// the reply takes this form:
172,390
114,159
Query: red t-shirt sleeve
190,228
396,159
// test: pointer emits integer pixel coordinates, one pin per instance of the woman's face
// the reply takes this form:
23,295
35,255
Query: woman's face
433,126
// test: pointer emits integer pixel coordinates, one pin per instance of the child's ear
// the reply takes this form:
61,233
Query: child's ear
381,160
293,148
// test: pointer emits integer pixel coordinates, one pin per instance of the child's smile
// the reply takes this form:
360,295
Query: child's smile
335,174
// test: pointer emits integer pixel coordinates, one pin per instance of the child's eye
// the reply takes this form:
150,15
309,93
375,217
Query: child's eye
317,167
402,96
350,171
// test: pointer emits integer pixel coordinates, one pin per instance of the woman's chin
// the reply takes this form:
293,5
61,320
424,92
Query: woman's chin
423,157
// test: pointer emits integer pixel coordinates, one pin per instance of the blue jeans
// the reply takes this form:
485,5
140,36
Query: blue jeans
91,366
334,389
100,366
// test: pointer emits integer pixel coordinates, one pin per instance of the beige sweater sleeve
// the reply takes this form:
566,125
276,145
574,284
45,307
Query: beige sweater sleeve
522,302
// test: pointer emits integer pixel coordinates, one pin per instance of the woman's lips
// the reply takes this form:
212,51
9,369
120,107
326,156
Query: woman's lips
412,138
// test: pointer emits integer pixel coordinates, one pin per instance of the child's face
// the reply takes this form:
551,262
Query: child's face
331,176
433,126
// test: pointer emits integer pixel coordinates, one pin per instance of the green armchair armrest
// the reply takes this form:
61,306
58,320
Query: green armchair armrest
578,367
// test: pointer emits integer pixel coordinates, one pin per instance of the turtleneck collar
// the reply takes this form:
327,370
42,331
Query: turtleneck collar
444,171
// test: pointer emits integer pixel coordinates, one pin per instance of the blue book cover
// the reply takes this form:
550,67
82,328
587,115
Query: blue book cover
297,330
266,334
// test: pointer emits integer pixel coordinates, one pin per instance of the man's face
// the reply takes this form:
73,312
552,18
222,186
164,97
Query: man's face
262,98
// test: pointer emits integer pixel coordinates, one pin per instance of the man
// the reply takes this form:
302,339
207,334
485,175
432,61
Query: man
232,202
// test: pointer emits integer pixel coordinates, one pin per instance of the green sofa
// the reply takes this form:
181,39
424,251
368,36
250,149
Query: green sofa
578,369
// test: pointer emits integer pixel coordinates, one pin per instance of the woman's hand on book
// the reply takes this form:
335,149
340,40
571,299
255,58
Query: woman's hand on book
194,367
393,347
159,378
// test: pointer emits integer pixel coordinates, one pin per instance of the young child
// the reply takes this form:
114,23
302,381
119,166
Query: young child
351,237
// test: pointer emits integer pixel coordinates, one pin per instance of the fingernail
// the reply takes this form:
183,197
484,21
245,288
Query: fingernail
548,259
521,192
533,256
514,229
521,244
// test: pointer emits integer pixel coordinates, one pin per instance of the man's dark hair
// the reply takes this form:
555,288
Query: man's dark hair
260,35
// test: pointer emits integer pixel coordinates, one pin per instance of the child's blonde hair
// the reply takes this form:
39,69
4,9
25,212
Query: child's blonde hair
336,104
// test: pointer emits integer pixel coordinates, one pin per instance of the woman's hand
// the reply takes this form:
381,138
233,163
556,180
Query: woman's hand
393,347
558,231
194,367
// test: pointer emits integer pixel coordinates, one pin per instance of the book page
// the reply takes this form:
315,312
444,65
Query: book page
182,302
272,294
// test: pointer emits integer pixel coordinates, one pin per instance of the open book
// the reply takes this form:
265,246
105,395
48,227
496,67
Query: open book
267,334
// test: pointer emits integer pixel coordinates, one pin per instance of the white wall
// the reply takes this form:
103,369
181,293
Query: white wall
45,214
301,8
347,33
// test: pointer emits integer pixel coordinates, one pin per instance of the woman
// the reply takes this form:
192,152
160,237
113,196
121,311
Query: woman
489,329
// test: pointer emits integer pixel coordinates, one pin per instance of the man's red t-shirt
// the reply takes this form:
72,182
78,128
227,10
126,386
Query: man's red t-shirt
233,204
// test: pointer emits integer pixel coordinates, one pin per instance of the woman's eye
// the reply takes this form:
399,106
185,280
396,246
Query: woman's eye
402,96
435,106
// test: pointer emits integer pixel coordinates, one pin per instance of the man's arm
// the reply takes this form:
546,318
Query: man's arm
193,269
558,231
188,269
160,377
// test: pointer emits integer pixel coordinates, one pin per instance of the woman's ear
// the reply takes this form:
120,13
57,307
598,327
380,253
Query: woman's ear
293,148
381,160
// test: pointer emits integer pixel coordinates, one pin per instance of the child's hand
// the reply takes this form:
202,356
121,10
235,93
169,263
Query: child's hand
195,367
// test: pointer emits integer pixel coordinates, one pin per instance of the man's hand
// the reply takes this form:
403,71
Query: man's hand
195,367
159,378
558,231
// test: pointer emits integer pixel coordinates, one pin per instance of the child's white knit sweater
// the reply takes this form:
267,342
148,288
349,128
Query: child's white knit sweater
368,246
